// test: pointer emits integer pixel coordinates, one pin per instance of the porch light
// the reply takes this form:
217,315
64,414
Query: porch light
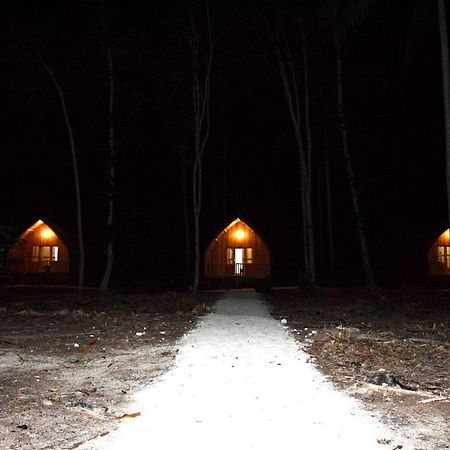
239,234
46,233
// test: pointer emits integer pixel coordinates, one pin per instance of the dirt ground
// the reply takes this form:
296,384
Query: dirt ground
70,363
353,337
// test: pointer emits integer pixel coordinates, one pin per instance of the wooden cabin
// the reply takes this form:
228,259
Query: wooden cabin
237,252
39,250
439,255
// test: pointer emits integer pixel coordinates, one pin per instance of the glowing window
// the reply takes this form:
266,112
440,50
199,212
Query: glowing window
55,253
35,254
249,255
229,256
443,254
45,253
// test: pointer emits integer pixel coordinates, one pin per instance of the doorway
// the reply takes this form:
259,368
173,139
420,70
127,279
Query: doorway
239,261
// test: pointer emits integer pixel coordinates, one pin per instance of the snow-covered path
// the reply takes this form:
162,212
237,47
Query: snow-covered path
240,382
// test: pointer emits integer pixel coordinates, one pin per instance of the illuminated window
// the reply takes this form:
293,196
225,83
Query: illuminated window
249,255
230,256
444,255
45,253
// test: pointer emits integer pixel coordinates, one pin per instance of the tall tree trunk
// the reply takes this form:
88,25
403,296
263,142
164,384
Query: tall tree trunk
332,257
201,100
446,90
187,227
197,186
290,88
75,175
370,280
309,203
224,217
112,177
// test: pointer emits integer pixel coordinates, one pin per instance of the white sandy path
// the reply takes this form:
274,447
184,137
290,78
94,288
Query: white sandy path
240,382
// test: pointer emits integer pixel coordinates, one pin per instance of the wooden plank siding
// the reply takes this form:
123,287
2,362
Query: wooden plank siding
221,255
439,255
39,249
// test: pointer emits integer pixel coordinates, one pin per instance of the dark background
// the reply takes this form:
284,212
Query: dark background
393,102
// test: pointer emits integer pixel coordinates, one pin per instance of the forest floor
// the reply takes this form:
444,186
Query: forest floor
391,352
70,364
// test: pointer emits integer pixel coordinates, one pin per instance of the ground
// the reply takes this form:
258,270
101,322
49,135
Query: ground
354,336
69,363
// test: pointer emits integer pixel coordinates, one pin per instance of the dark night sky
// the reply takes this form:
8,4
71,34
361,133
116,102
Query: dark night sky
393,101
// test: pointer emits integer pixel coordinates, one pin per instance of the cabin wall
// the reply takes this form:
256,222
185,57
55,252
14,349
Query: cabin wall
439,255
31,264
218,266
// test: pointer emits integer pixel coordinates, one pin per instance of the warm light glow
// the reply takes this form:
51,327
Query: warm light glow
444,238
46,233
239,234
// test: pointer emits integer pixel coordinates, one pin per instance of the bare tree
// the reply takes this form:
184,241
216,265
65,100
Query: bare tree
339,17
201,69
186,214
75,171
368,272
329,203
302,132
445,88
112,177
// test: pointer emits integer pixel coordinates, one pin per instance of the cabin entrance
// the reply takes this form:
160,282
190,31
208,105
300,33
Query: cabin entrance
237,252
239,258
239,261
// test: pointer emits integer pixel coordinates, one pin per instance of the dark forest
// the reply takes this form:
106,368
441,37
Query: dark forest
392,99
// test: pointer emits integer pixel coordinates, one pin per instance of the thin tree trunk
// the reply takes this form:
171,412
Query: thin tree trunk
201,96
112,177
224,165
309,208
197,193
75,175
293,101
446,90
292,97
350,173
332,257
187,228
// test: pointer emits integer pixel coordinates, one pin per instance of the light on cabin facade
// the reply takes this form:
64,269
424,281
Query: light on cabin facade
46,233
439,255
39,249
237,252
239,234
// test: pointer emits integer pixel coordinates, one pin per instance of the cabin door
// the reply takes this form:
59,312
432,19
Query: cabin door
239,261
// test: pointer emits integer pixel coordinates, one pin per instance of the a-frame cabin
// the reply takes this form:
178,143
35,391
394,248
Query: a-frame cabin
237,252
439,256
39,250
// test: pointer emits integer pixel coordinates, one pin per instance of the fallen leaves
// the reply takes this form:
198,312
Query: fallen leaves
128,416
352,339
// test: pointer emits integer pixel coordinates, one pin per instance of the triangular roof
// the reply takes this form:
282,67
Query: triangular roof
231,225
29,230
36,225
